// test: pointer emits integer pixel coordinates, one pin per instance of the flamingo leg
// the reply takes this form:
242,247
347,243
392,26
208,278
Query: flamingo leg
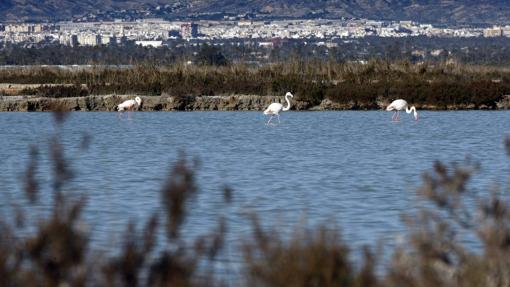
278,115
394,116
270,118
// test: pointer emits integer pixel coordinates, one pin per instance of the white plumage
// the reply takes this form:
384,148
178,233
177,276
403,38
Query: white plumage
399,105
274,109
129,105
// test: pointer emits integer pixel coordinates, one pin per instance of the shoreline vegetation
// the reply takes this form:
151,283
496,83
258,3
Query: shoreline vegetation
317,85
55,249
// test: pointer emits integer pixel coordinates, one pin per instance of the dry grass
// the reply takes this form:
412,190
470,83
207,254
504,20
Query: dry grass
439,84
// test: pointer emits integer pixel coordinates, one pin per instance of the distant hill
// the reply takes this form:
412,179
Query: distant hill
426,11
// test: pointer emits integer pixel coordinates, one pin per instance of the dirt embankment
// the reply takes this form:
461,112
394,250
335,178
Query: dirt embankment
204,103
150,103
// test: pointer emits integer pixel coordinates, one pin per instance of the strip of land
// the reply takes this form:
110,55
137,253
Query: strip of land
315,85
201,103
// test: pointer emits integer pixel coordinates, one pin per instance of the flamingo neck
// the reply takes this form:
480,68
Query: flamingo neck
288,103
412,109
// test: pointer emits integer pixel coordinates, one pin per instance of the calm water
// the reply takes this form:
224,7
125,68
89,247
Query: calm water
356,170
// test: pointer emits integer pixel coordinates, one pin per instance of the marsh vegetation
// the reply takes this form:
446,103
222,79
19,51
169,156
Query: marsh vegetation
359,85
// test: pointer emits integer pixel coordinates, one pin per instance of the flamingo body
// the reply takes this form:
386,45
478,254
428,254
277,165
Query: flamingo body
399,105
274,109
129,105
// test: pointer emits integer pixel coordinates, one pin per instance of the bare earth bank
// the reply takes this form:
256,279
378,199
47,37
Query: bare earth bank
202,103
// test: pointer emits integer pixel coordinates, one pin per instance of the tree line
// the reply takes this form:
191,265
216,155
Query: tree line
478,50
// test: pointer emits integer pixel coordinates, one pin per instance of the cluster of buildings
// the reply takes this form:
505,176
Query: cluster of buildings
156,32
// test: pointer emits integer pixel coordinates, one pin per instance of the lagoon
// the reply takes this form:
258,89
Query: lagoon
354,170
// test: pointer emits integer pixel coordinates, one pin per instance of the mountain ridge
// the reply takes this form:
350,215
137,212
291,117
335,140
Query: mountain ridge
426,11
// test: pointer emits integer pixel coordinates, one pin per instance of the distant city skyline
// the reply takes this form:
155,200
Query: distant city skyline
154,32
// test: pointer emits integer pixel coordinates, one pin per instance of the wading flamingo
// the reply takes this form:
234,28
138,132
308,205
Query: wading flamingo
399,105
129,105
276,108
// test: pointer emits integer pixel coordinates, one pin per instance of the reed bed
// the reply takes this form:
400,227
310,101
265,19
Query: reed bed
433,84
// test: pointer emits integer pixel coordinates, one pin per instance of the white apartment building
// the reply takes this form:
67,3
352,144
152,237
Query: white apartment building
89,39
495,31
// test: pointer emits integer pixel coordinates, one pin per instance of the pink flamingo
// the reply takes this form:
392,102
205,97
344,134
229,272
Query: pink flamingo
129,105
399,105
276,108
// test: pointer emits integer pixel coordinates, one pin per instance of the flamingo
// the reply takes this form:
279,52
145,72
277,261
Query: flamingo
129,105
397,106
276,108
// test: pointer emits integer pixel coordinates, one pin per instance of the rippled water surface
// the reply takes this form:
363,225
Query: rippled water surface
355,170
